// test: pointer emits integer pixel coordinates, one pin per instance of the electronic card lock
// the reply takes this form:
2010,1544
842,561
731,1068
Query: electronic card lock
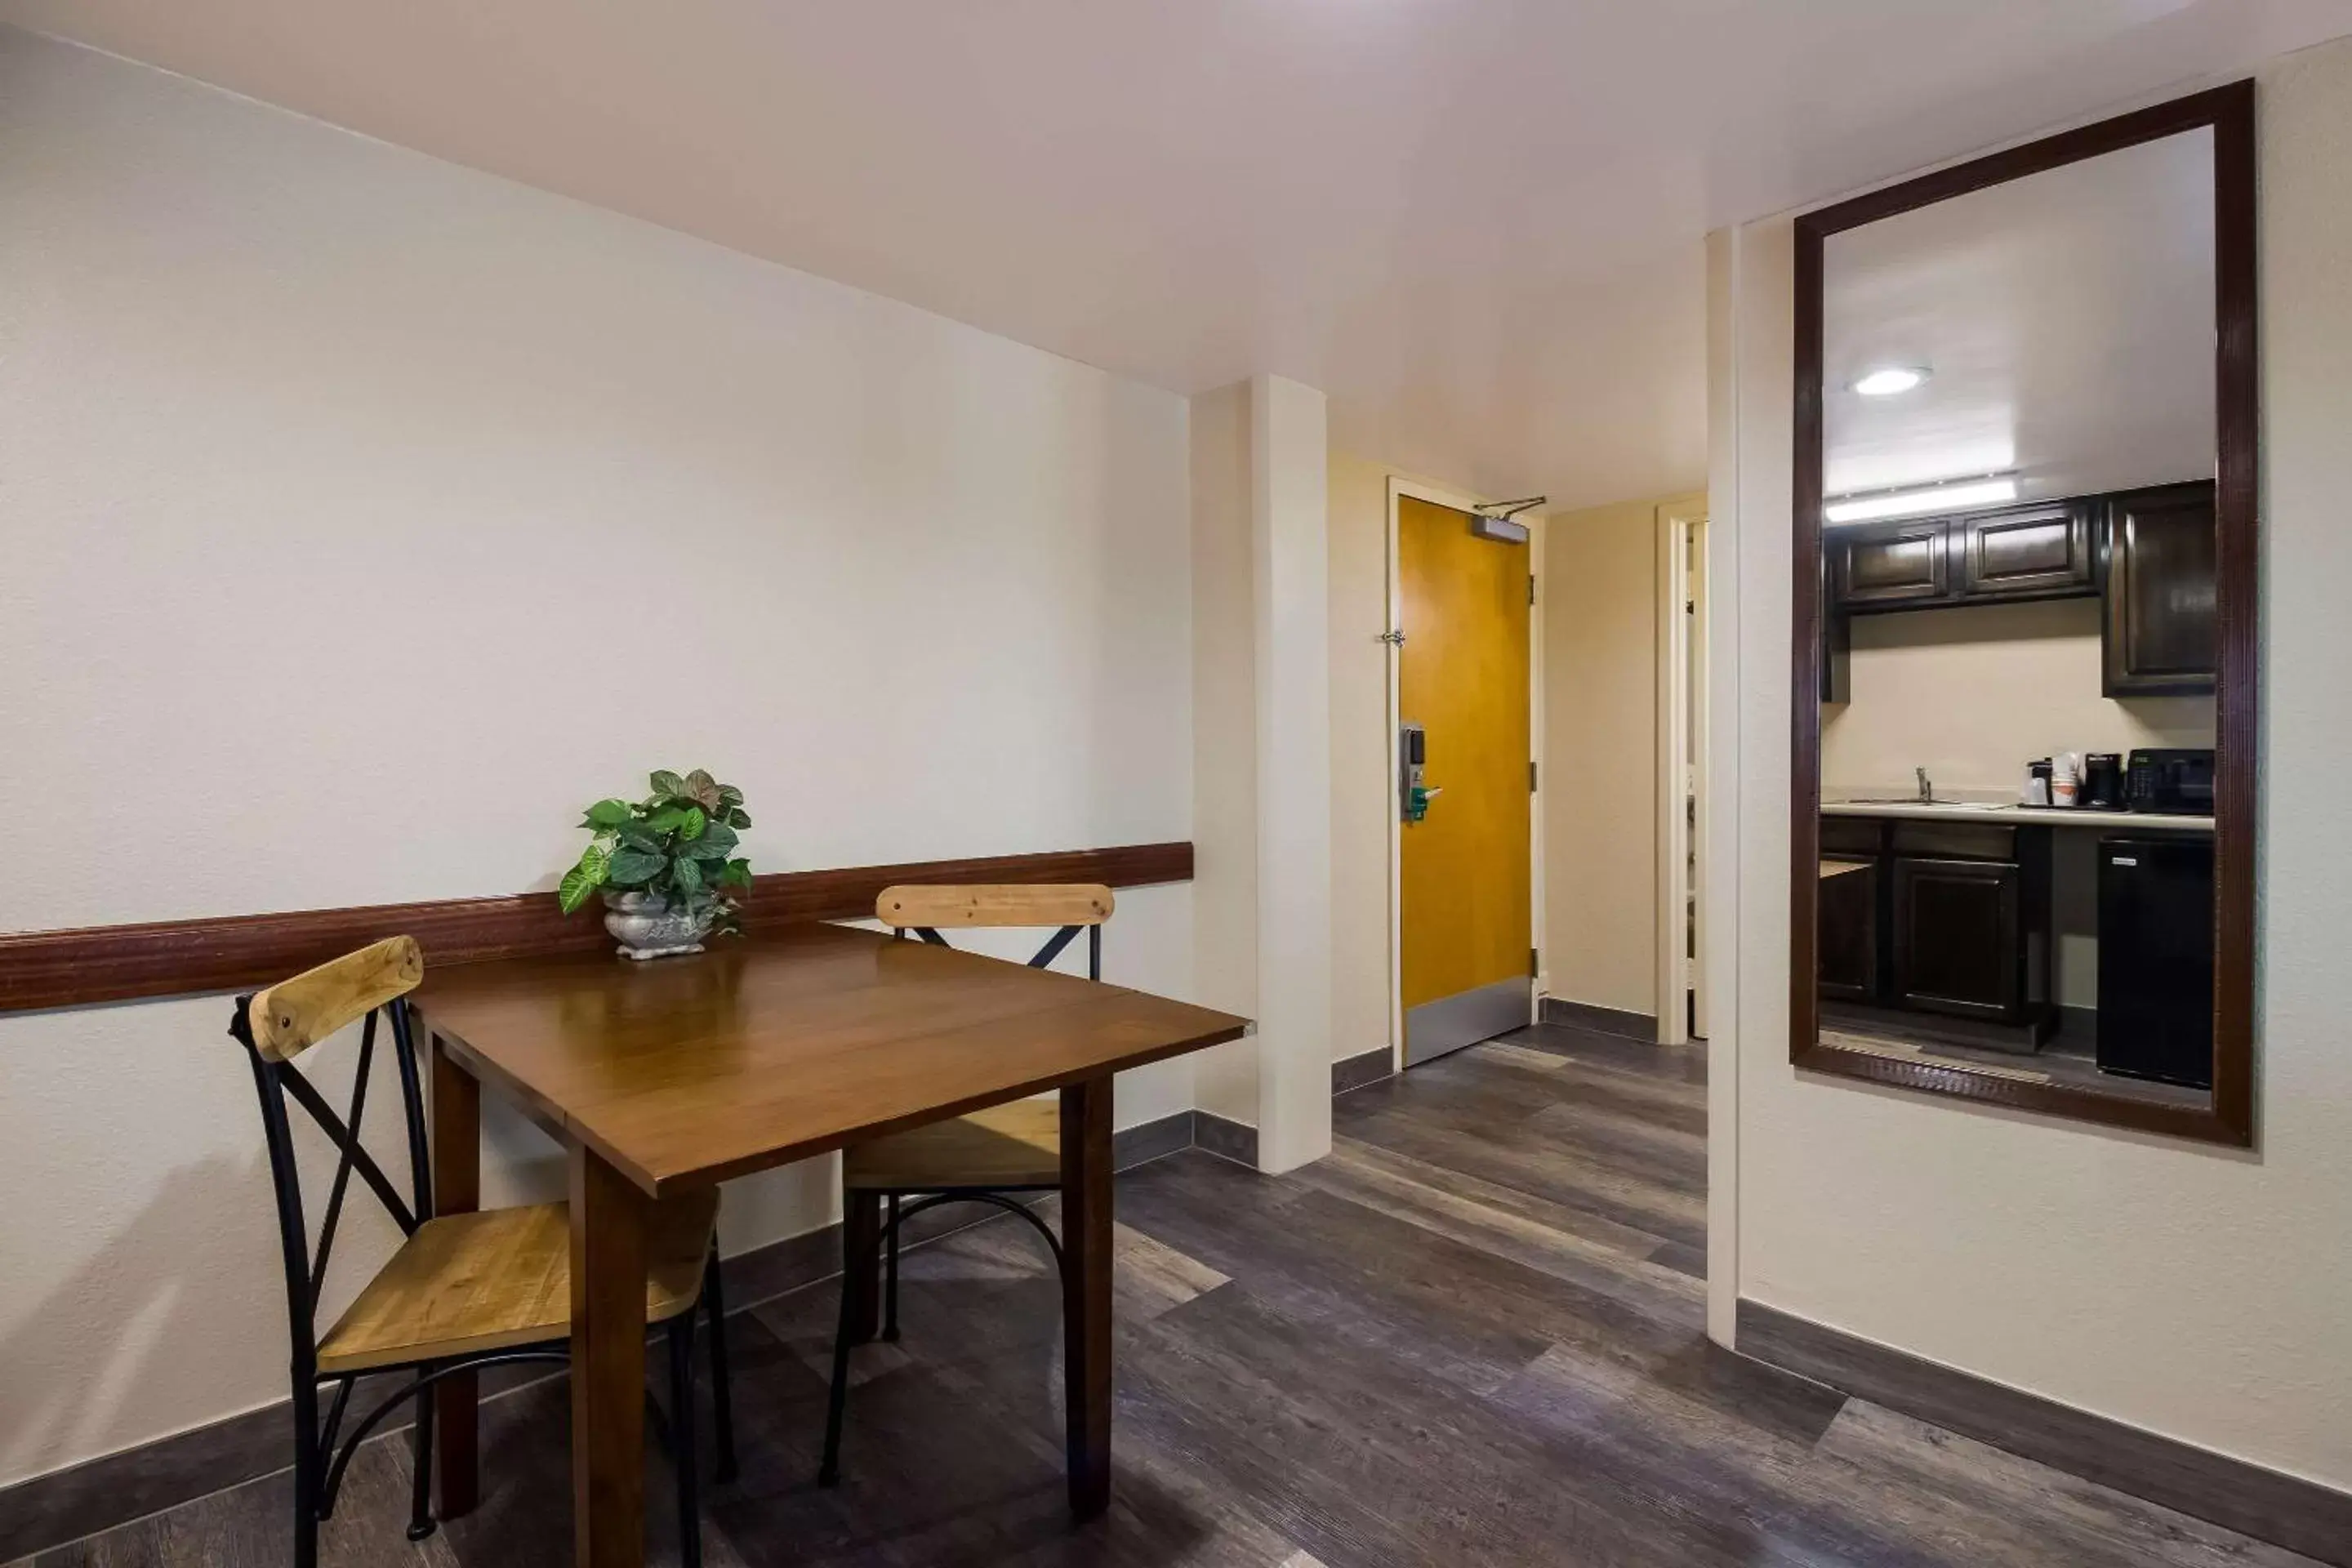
1412,751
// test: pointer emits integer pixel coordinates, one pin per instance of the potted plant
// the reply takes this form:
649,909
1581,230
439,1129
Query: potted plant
665,863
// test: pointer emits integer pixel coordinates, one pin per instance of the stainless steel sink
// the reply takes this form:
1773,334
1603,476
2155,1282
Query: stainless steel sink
1930,804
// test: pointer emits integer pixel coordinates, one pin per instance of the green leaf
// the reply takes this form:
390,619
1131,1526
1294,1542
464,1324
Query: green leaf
688,875
667,783
582,880
639,836
607,814
635,867
730,796
670,819
739,817
691,828
717,843
736,874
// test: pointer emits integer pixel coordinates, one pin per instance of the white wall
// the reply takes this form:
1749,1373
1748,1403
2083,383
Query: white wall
1363,795
1225,746
2193,1291
1973,693
1601,781
364,516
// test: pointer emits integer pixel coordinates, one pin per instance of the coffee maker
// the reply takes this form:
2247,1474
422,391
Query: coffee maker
2103,781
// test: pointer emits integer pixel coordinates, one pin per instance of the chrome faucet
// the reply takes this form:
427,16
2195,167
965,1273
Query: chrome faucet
1926,788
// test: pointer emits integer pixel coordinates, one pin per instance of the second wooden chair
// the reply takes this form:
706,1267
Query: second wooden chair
989,1157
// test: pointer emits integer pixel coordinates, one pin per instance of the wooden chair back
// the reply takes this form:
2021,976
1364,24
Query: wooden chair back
1070,907
295,1015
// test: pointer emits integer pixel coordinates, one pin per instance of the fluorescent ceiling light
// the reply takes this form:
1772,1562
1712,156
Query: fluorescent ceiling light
1891,379
1912,503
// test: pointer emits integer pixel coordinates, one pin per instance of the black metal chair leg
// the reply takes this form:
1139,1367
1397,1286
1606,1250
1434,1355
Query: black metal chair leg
722,1393
890,1287
829,1473
682,1440
420,1493
309,1474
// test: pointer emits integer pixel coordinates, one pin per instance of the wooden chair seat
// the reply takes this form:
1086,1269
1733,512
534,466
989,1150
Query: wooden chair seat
467,1283
1004,1146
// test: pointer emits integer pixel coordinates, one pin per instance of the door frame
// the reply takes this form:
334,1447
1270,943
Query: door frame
1682,765
1399,487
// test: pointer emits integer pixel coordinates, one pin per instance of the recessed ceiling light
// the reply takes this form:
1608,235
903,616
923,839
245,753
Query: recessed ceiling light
1929,499
1891,379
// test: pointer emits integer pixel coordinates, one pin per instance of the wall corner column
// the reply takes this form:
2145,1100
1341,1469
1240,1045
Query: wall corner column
1289,525
1262,758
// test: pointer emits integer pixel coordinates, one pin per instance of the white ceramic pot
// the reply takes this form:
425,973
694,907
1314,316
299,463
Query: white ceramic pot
648,925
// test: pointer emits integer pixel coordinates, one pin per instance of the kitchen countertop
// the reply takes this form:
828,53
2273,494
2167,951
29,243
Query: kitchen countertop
2051,815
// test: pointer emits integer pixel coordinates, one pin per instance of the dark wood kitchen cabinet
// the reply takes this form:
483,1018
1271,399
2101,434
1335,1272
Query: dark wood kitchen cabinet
2158,633
1879,564
2044,550
2026,552
1948,918
1957,938
1848,946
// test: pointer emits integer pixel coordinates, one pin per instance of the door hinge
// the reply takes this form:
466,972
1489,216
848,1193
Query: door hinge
1535,962
1531,587
1531,778
1393,638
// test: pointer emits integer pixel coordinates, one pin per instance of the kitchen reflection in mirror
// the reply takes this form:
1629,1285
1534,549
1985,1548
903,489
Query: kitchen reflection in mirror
2020,564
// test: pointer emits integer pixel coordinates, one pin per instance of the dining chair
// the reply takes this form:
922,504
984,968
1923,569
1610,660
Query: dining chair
987,1157
463,1292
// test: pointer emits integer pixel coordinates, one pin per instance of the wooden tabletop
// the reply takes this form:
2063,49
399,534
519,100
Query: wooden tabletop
681,1072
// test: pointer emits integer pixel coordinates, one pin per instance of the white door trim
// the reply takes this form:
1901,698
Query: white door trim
1681,764
1399,487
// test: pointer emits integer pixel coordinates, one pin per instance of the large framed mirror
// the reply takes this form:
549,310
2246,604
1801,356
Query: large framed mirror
2026,641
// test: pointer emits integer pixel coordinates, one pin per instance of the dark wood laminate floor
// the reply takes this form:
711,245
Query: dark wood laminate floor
1471,1336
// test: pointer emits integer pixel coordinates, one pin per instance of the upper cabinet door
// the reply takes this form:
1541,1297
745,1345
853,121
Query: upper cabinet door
2160,627
1889,564
2027,553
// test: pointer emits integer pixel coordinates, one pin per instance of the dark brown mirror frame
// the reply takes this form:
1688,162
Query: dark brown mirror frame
2229,1119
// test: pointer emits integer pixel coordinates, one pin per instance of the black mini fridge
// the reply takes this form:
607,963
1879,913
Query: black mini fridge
2155,959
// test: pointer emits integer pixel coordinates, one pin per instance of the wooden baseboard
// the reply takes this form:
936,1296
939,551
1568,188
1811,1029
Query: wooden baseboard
1601,1020
186,958
1364,1068
2282,1509
113,1489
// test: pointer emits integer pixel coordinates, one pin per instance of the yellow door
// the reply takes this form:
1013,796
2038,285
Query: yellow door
1462,676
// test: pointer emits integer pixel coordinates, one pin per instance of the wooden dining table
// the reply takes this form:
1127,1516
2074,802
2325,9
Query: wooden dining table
668,1077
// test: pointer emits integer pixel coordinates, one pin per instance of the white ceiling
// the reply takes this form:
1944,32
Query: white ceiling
2067,319
1476,224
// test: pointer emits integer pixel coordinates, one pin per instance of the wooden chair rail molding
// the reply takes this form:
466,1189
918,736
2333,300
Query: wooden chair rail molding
182,958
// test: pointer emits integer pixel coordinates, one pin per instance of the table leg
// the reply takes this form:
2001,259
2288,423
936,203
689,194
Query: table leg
610,1217
1086,1292
861,1263
457,1189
